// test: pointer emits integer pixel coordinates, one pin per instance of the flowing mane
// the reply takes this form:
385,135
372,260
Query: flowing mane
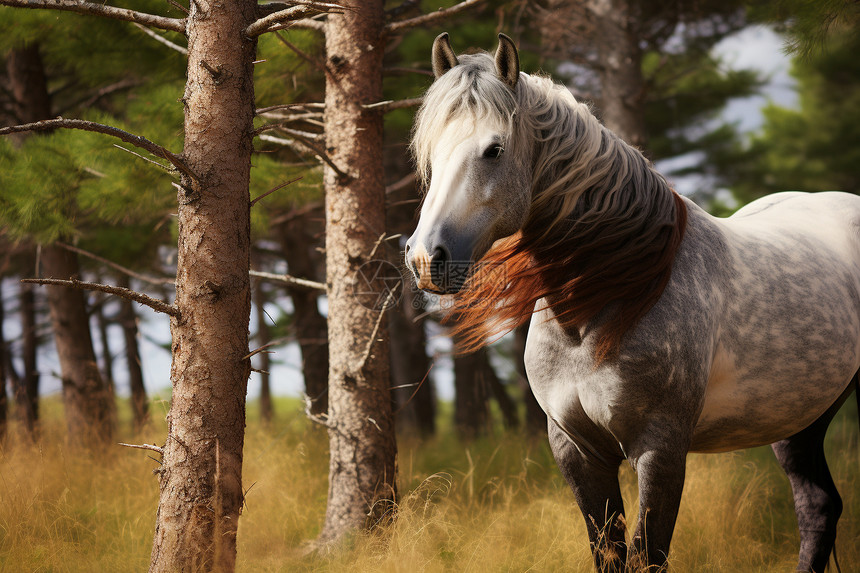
604,225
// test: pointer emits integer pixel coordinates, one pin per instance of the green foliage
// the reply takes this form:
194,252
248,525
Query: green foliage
810,25
813,148
688,90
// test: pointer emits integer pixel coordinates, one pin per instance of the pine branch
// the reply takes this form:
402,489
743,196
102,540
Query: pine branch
146,300
84,125
433,17
299,10
83,7
304,284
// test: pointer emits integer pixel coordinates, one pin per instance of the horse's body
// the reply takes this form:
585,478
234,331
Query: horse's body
756,335
749,332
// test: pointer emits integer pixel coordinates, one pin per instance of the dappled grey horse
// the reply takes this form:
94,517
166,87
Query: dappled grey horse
656,329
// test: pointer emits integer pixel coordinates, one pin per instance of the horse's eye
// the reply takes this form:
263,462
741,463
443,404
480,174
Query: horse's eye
493,151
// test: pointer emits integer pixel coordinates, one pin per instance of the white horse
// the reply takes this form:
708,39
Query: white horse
656,329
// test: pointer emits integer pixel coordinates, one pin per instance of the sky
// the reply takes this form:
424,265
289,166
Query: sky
756,47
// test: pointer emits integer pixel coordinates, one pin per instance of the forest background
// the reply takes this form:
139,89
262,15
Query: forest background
471,474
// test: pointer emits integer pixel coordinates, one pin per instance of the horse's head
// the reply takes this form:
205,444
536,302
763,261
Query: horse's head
475,169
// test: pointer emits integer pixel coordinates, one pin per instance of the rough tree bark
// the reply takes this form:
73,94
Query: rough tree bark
361,426
85,396
201,477
128,323
309,325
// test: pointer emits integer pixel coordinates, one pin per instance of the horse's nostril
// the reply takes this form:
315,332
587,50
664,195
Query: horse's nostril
439,267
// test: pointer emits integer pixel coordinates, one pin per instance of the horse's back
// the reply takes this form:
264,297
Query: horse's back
788,322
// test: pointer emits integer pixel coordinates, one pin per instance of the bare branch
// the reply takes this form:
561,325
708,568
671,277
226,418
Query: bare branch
282,18
167,168
95,96
313,61
308,24
162,40
152,447
115,266
385,106
366,356
396,70
84,125
433,17
293,282
263,110
270,191
291,143
146,300
83,7
401,183
303,138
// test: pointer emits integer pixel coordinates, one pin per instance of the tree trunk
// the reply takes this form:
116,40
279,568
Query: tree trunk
622,97
410,369
29,85
107,355
309,325
535,416
510,418
201,477
27,389
263,338
85,395
128,322
361,425
472,394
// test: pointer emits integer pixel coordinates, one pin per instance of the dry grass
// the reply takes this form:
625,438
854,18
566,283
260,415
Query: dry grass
496,505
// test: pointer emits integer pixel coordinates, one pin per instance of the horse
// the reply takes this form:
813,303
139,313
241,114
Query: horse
655,329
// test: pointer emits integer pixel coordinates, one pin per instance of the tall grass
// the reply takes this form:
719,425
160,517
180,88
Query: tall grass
494,505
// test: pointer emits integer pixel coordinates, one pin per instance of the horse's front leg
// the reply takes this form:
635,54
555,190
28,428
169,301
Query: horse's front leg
595,487
661,481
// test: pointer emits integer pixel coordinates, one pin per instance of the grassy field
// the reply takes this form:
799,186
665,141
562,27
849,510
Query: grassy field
495,505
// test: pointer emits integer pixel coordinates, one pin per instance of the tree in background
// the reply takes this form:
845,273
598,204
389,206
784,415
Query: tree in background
648,67
812,148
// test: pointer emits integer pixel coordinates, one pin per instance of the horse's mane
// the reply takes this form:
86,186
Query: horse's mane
604,226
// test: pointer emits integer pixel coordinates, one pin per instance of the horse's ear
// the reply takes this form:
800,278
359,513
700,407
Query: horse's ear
507,61
444,57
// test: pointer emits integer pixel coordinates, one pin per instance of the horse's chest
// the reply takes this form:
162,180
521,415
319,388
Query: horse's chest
581,400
